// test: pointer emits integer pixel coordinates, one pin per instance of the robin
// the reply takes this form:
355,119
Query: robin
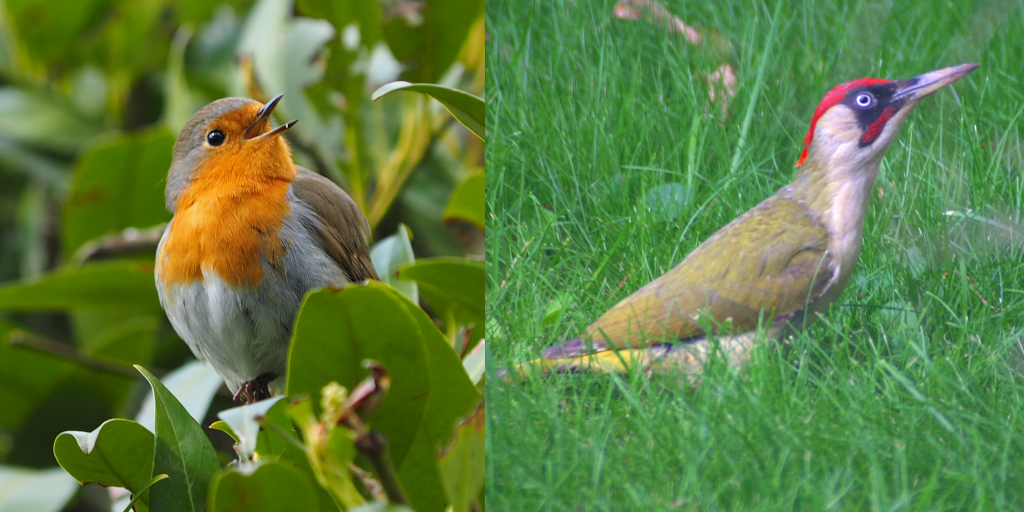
252,233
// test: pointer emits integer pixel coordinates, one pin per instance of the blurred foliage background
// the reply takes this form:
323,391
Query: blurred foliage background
92,95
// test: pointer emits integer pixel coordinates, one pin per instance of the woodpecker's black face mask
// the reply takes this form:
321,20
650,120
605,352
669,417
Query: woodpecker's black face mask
874,105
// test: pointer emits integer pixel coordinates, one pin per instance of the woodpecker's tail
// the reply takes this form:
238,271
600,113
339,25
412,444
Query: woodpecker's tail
574,356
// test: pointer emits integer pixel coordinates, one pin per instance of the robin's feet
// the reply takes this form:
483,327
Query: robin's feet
254,390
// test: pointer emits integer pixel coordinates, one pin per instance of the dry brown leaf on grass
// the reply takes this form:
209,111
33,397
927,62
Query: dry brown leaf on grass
721,83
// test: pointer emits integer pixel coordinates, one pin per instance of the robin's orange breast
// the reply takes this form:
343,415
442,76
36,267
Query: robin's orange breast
227,223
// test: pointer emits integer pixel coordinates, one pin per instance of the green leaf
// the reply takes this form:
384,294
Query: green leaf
287,63
114,286
343,14
452,394
475,362
119,453
336,330
182,451
391,253
46,490
446,280
118,183
380,506
280,427
179,102
126,339
43,395
279,442
421,478
244,423
193,384
27,377
427,36
462,464
467,202
452,397
222,426
553,313
467,109
49,29
38,120
136,503
273,487
278,438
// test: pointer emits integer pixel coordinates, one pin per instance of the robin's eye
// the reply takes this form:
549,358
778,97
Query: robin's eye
215,138
864,100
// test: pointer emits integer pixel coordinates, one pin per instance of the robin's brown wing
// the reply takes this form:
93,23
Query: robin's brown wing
344,232
770,262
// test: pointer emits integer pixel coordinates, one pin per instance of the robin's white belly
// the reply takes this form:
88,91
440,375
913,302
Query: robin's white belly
242,331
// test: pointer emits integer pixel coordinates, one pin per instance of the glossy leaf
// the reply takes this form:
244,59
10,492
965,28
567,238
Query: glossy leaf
244,422
281,437
287,63
467,202
37,119
222,426
447,279
35,490
193,385
452,397
427,36
336,330
452,394
273,487
462,463
116,286
391,253
380,506
278,438
421,477
26,378
182,451
342,14
467,109
475,362
118,453
118,183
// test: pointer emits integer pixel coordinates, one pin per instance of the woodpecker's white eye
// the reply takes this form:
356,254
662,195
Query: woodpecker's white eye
864,100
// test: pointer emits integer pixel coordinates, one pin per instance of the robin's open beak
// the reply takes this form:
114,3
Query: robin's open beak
256,127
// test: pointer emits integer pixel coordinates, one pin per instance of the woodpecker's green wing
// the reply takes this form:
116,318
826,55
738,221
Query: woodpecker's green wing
771,259
343,231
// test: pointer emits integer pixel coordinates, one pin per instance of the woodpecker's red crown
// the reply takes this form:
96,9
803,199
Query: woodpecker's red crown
841,92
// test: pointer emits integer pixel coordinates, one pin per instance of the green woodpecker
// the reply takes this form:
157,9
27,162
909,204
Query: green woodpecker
776,268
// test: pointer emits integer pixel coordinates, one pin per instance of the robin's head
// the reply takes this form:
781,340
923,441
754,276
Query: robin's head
229,137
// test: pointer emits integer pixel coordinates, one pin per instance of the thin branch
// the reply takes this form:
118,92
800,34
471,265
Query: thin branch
25,340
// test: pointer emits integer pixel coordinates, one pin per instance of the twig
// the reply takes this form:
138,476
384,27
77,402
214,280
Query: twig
53,348
372,485
374,446
129,241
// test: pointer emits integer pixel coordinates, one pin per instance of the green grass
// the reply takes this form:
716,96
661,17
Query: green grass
910,396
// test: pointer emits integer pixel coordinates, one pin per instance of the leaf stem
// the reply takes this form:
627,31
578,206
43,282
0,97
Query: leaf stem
374,446
53,348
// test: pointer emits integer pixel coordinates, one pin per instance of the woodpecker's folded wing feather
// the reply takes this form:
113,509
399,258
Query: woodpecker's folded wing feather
772,259
343,232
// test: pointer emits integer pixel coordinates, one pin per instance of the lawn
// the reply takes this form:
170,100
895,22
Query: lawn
608,163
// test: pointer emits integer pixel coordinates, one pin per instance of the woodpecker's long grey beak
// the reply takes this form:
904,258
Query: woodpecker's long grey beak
912,90
256,127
